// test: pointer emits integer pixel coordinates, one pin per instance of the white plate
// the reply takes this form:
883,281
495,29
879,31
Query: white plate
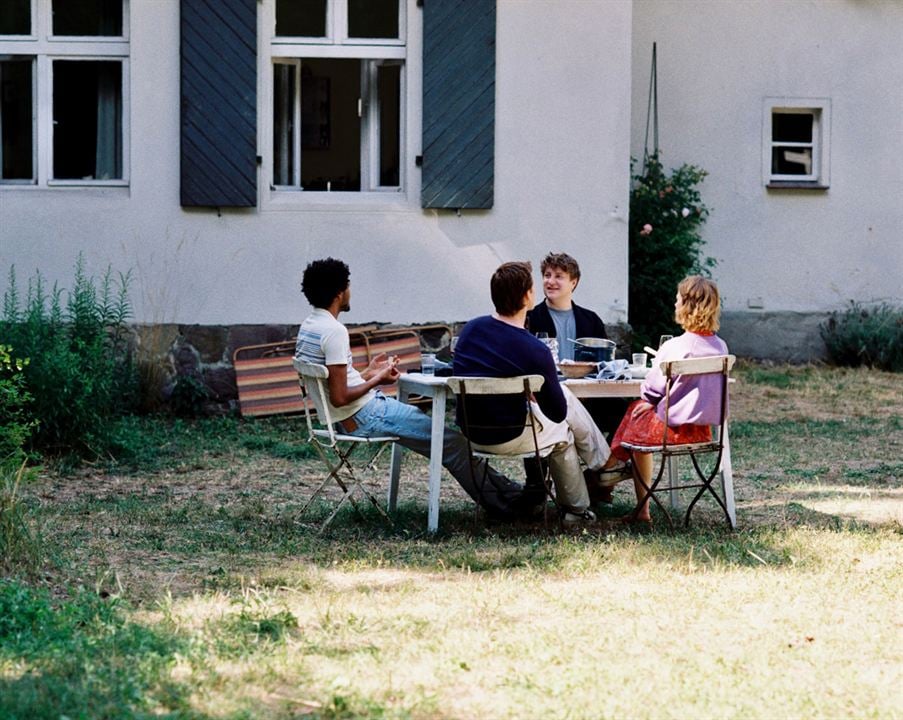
638,372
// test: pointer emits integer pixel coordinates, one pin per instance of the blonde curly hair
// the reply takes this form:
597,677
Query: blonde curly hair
700,309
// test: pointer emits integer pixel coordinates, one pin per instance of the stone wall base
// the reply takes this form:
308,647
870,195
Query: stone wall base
170,354
777,336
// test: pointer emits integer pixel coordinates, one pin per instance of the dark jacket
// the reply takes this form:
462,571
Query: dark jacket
588,323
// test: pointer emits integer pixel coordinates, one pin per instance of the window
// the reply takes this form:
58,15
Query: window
796,143
63,92
338,85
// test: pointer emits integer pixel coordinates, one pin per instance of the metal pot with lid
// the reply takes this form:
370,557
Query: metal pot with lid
594,349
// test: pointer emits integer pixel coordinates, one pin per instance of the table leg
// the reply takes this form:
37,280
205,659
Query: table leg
436,448
395,464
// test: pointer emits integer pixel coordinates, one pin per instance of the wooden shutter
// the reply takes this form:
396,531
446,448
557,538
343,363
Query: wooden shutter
219,103
458,103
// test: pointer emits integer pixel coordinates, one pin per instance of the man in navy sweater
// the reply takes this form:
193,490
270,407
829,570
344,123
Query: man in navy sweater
498,345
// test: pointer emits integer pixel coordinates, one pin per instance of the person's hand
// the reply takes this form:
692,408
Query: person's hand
376,363
387,370
641,407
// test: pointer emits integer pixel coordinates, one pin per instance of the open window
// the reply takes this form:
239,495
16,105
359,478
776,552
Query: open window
795,146
337,90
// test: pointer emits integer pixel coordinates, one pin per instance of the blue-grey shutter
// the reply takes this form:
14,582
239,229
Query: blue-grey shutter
219,103
458,103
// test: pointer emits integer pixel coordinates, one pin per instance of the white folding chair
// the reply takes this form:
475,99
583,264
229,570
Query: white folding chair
312,378
471,420
719,445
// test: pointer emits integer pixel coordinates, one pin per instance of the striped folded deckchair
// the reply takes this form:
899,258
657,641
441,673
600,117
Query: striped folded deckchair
268,382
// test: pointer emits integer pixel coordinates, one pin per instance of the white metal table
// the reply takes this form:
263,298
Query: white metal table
436,388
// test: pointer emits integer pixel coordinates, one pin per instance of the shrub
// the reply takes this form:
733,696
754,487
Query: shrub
870,336
80,371
666,212
15,426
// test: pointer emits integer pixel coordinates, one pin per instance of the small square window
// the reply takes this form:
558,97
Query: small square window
301,18
373,19
15,17
795,140
87,18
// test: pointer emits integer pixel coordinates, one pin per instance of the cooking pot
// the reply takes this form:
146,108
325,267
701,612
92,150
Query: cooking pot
594,349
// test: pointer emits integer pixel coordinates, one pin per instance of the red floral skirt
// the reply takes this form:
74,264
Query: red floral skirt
646,429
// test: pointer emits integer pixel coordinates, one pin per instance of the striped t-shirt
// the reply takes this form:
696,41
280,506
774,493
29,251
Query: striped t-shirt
322,339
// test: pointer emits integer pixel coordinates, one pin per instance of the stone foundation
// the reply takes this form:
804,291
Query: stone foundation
200,356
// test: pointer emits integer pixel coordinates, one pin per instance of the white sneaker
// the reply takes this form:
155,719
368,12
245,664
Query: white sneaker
574,518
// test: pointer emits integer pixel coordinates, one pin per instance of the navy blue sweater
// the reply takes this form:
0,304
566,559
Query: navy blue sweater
491,348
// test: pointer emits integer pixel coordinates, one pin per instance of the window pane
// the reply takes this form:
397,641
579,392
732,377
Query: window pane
373,18
16,138
389,86
791,127
791,160
87,17
301,18
283,124
15,17
330,125
87,120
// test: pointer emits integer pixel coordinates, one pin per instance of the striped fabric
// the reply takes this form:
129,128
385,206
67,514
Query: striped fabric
268,383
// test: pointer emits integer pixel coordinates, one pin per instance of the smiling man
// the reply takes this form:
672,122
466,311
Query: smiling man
558,315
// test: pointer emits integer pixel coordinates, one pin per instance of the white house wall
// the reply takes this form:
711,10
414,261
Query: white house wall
562,142
786,250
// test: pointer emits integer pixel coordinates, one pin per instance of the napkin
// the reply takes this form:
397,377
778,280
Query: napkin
614,370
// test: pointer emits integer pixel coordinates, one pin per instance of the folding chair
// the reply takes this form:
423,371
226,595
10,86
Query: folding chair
717,365
312,378
465,388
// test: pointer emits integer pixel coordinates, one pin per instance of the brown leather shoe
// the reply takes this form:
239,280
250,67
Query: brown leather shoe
598,493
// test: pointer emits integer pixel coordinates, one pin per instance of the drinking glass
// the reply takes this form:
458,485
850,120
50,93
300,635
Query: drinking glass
663,339
428,363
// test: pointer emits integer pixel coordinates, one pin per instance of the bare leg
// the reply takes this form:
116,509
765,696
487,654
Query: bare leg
643,463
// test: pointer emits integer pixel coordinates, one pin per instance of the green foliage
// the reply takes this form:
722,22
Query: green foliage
666,212
82,658
15,425
80,372
860,335
21,547
188,397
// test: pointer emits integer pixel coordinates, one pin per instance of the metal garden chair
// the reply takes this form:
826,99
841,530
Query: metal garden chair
312,378
465,388
717,365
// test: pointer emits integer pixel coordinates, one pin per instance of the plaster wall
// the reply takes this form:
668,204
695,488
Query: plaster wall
562,142
783,250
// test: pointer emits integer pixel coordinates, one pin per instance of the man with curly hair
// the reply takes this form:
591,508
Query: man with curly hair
359,408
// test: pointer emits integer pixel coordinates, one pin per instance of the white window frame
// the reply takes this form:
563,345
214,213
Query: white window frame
371,52
820,110
44,48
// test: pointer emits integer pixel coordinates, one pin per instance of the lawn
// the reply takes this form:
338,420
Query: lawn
177,581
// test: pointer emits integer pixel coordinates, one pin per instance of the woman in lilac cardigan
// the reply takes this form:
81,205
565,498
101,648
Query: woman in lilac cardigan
695,400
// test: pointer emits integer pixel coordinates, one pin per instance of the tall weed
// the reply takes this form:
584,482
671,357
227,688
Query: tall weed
15,425
21,548
80,372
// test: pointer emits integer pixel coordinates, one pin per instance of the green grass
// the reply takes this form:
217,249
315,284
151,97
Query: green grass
184,584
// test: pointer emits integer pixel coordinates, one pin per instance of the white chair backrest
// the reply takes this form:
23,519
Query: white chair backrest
313,377
712,365
698,366
494,386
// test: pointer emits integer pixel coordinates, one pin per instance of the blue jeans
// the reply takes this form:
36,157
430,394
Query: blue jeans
487,487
